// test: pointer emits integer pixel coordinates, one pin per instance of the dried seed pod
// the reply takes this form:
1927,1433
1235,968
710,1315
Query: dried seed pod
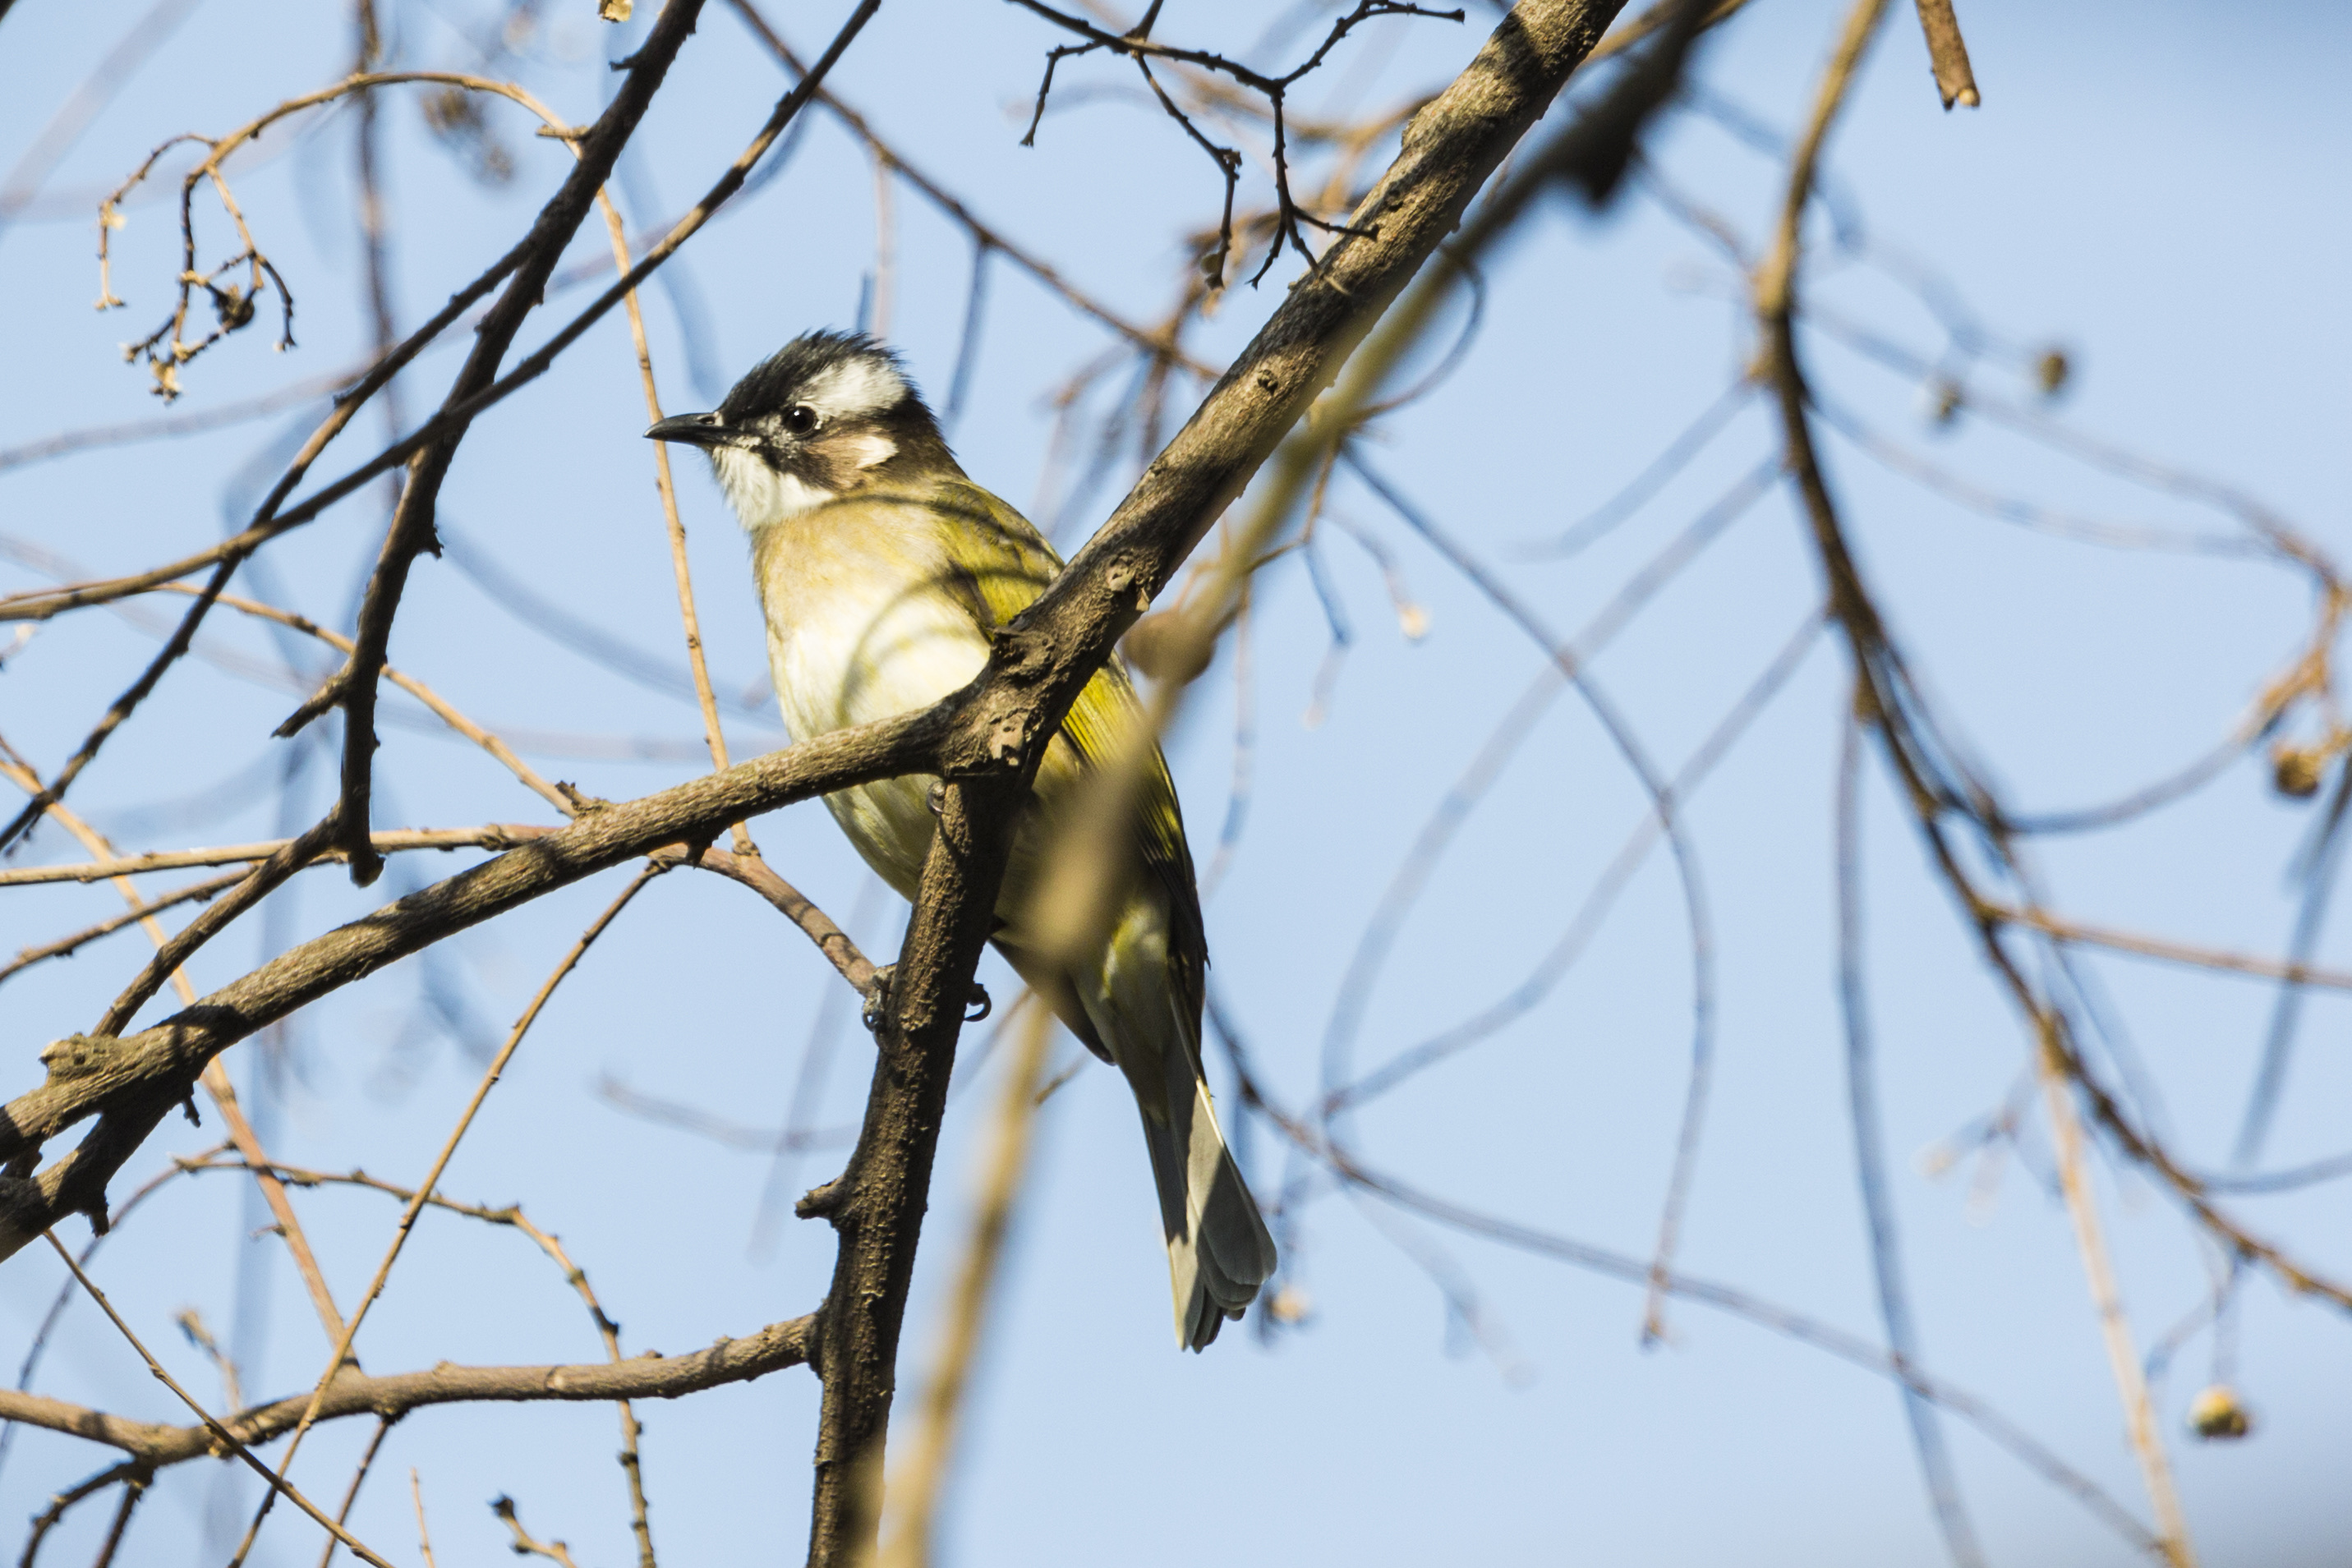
2295,770
1944,399
2215,1415
2052,370
1290,1305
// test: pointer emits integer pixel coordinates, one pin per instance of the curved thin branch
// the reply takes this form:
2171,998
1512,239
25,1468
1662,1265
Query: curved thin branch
497,836
353,1393
1847,1347
417,1202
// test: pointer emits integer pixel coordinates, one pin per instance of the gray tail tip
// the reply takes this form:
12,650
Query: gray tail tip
1207,1318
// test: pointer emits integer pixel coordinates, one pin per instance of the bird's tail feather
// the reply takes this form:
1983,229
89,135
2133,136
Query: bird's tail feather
1219,1252
1132,1011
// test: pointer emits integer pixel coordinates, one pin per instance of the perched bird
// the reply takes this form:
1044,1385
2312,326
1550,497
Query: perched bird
883,570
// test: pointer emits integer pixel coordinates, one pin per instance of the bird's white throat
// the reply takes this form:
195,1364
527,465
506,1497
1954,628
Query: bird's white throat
760,493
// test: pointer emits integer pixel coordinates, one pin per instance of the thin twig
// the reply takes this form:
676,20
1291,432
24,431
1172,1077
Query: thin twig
2074,931
423,1534
2114,1328
416,1205
1870,1164
497,836
359,1479
64,946
2320,870
227,1439
712,732
525,1543
1955,82
134,1486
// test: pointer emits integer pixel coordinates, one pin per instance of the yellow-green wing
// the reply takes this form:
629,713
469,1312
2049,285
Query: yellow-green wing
1003,563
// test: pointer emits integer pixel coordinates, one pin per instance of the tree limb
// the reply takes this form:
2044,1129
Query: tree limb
130,1082
998,726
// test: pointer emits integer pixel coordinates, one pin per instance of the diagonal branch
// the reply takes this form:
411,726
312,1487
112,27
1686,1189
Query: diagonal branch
986,741
1038,664
411,533
128,1083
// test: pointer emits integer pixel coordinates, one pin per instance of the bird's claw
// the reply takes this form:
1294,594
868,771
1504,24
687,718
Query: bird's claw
877,1000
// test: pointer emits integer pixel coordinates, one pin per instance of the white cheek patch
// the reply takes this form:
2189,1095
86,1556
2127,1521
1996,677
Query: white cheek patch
761,495
854,389
867,449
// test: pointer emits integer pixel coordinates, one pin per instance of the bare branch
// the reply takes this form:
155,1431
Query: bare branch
497,836
415,1205
359,1479
214,1432
130,1083
1955,82
992,239
354,1393
64,945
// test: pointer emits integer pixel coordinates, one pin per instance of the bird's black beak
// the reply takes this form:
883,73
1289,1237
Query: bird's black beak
693,430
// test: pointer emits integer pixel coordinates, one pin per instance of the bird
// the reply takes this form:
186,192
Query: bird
882,571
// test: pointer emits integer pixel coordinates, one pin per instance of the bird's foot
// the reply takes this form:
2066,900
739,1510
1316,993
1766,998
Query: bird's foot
877,1000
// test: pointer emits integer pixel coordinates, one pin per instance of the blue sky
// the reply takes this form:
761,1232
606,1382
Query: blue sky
2146,186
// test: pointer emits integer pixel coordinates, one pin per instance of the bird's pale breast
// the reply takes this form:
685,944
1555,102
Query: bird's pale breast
860,628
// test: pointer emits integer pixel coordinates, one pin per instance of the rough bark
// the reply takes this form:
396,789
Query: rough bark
1038,664
130,1082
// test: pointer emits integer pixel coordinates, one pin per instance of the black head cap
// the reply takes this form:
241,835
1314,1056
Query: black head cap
814,403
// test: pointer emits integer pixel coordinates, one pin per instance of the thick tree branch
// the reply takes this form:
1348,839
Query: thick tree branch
877,1203
1042,660
986,740
130,1082
1036,668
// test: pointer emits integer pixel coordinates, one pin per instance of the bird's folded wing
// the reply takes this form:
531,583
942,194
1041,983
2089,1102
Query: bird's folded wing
1001,564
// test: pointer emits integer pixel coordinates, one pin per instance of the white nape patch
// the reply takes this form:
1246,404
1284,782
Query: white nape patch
761,495
867,449
856,388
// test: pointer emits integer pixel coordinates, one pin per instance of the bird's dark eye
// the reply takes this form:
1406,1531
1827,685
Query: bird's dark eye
800,419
